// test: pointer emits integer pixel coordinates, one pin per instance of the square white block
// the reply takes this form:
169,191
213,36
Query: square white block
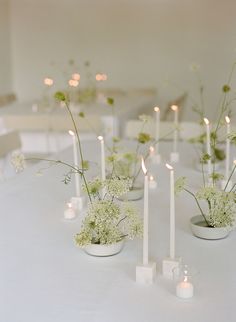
145,274
78,203
174,157
168,265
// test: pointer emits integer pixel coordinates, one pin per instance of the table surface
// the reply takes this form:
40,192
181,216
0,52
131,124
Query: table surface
46,278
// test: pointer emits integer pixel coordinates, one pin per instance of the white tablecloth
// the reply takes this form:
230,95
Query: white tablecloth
46,278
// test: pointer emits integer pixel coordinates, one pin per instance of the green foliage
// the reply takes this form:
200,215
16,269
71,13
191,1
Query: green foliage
110,101
143,138
226,88
60,96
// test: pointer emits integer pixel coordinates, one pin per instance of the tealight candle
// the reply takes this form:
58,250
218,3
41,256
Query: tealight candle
69,212
184,289
152,182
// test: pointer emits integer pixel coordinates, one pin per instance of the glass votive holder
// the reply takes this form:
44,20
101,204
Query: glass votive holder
183,276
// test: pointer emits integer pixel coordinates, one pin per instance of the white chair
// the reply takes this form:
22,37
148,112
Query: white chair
9,142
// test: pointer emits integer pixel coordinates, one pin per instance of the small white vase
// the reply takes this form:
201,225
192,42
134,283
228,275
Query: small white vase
200,229
135,193
104,250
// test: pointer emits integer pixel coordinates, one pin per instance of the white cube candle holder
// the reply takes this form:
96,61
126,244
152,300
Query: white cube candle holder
168,266
229,185
174,157
145,274
78,203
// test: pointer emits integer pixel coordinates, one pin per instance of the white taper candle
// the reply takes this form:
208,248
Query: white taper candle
208,144
157,127
176,124
172,211
76,164
227,152
145,216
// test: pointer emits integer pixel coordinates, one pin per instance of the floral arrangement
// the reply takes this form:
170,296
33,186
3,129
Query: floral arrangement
216,205
108,221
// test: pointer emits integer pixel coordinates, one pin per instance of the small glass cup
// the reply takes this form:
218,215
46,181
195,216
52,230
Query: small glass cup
183,276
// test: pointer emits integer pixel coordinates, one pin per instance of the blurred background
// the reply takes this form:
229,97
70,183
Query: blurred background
137,43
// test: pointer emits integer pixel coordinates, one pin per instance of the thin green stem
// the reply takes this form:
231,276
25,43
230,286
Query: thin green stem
232,172
193,195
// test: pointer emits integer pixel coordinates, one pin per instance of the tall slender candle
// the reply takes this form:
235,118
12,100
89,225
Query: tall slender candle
157,127
176,123
172,211
76,163
145,216
103,164
227,152
208,144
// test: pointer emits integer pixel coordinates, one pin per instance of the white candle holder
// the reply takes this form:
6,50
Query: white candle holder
168,266
69,212
174,157
145,274
78,203
229,185
184,279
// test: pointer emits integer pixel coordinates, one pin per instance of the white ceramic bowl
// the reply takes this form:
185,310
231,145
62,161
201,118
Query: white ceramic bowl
199,229
104,250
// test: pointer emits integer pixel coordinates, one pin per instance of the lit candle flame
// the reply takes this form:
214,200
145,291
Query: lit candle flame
48,81
169,166
156,109
206,121
143,167
235,162
69,204
76,76
151,149
185,278
100,138
227,119
174,107
151,178
71,133
73,83
98,77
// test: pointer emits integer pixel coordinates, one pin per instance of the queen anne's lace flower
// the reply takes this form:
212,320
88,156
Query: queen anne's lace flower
18,161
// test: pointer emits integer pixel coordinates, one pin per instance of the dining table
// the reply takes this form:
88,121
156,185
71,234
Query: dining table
45,277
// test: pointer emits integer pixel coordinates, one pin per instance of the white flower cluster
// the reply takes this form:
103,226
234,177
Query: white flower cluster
107,223
117,187
18,161
221,206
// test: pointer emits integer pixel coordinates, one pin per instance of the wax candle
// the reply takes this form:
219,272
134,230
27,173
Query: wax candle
152,182
76,163
103,164
208,144
227,152
69,212
157,127
172,211
176,124
145,216
184,289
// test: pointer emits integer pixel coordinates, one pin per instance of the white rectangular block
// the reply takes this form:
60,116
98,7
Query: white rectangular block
78,203
145,274
168,265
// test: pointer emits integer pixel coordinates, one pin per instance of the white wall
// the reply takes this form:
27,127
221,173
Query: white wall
5,53
137,42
